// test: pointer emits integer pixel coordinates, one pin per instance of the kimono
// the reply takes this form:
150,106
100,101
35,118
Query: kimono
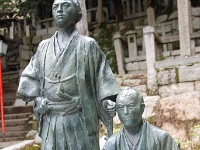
74,83
151,138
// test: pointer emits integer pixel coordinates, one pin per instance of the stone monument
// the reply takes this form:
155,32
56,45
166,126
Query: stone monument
71,84
137,134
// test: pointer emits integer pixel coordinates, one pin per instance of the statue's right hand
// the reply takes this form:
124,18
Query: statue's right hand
41,105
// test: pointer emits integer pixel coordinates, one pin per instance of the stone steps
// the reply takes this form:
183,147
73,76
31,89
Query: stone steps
17,109
15,122
12,134
9,98
11,139
16,128
18,116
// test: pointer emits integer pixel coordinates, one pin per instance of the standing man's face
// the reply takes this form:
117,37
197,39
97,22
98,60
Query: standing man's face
64,13
129,110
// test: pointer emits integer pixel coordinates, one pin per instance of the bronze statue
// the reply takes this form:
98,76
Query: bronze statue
71,83
137,134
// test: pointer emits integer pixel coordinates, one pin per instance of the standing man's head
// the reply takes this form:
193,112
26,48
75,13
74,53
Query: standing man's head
66,13
130,106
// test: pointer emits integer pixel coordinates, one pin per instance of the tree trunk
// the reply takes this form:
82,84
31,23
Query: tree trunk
82,25
100,12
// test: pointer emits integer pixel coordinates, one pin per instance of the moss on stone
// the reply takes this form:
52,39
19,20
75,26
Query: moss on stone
177,75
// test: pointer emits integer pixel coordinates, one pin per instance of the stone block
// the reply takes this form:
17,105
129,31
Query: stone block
141,88
174,15
150,105
132,83
184,107
142,65
196,11
164,91
132,66
36,39
175,89
175,132
197,85
166,76
196,23
26,55
182,88
161,19
189,73
176,114
41,32
27,40
26,47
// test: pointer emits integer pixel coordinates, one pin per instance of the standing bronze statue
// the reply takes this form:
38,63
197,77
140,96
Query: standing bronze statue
137,134
71,84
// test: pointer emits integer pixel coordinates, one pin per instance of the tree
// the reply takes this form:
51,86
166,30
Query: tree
82,25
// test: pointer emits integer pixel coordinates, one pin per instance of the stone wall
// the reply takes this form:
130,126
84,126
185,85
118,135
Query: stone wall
178,79
30,44
177,113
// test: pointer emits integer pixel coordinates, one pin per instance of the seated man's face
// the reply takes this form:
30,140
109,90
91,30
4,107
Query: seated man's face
129,110
64,13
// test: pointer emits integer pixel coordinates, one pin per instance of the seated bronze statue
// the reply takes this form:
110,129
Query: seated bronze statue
137,134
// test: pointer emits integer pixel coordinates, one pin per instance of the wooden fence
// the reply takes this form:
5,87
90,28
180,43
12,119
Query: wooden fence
134,8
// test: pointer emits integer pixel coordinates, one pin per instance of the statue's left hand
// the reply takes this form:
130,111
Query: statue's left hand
110,107
41,105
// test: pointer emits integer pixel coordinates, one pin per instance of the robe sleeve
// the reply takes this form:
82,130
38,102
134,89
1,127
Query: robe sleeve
105,82
29,85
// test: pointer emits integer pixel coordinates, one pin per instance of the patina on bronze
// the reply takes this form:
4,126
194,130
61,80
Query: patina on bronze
137,134
71,84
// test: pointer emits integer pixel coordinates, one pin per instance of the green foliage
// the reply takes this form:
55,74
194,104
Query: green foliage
10,7
32,147
193,142
24,8
40,8
105,41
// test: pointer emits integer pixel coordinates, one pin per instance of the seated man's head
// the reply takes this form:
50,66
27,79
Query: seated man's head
66,13
130,106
